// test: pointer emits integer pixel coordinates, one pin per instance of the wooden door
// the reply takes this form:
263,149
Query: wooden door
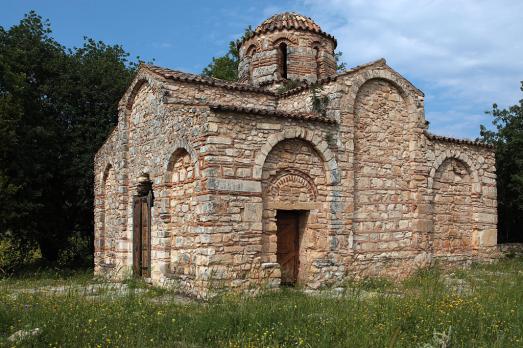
287,253
141,237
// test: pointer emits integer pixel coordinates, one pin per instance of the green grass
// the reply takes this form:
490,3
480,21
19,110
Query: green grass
481,305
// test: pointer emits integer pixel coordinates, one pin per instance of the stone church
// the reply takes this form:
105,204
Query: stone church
295,174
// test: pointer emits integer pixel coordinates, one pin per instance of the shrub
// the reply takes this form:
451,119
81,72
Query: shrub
15,253
78,253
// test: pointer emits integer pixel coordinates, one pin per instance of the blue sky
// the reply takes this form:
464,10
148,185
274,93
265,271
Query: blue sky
463,54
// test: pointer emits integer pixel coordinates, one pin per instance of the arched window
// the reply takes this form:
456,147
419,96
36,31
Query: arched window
249,55
316,51
250,51
283,59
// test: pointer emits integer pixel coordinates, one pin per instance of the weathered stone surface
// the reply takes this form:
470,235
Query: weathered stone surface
234,185
21,335
488,238
378,194
253,212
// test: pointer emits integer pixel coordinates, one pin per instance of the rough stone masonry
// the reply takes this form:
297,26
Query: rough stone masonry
208,184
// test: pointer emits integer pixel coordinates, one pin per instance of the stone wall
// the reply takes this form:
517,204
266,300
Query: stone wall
149,137
109,218
243,231
194,94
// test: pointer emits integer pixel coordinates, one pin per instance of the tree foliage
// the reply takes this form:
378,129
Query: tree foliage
340,64
508,141
226,66
57,106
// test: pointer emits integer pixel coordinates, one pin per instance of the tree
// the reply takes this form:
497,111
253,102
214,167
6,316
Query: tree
340,64
508,141
226,67
57,106
85,100
28,64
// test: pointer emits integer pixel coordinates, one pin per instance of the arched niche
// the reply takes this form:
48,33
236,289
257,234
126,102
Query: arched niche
178,210
458,155
382,171
109,215
409,93
453,204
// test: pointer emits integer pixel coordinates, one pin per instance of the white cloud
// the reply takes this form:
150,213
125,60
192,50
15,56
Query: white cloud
464,54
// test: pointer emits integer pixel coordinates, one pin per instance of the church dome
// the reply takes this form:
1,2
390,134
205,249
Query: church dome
286,46
289,21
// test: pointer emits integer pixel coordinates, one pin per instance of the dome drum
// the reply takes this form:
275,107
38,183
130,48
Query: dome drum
286,47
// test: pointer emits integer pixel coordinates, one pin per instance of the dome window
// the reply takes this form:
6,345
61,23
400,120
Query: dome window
283,59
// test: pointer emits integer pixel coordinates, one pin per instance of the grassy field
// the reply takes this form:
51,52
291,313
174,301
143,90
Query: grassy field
478,307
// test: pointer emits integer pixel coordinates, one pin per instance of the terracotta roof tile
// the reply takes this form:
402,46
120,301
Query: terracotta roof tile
289,20
457,141
210,81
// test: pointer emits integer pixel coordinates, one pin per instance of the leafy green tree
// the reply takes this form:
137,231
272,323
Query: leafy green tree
29,62
57,106
340,64
508,141
85,100
226,67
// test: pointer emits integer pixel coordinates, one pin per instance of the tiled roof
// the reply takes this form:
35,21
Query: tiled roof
210,81
289,20
307,116
457,141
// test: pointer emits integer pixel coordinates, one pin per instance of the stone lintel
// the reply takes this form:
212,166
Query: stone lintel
234,185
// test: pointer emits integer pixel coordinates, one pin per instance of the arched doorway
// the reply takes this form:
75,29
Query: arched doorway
142,204
293,189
